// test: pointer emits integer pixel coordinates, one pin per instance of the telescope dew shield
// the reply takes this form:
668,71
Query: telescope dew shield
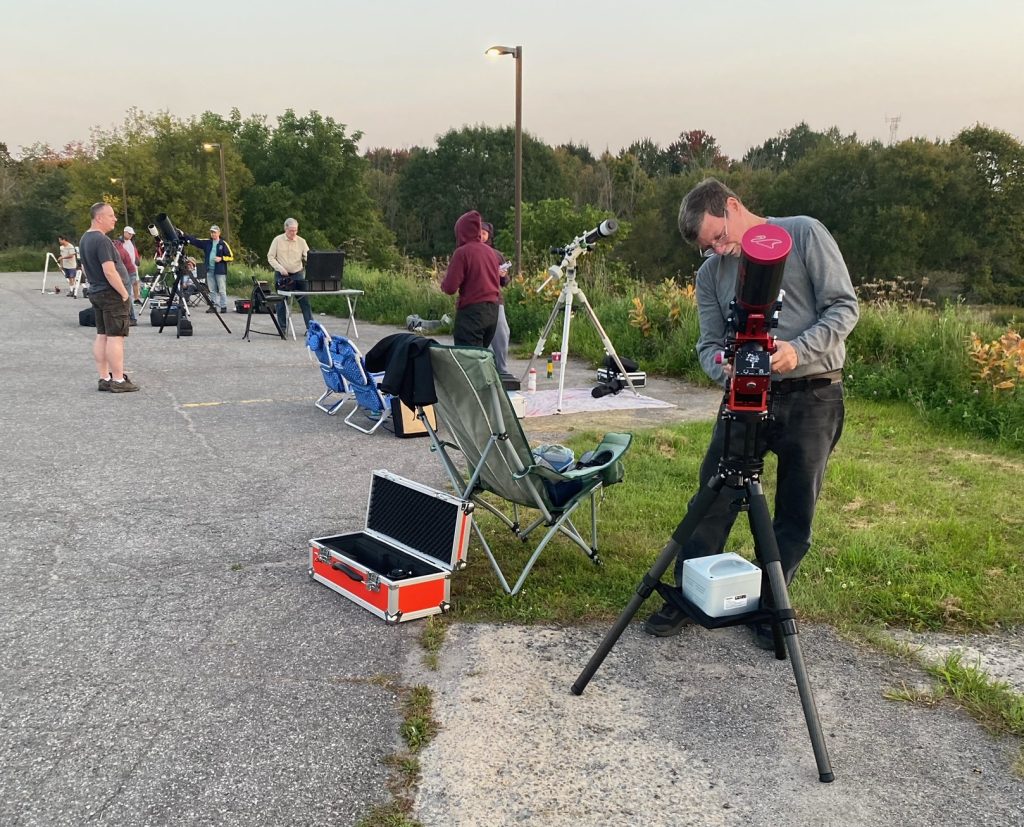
764,252
606,228
167,229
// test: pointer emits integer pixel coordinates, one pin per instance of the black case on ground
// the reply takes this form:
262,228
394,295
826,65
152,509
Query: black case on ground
87,316
157,314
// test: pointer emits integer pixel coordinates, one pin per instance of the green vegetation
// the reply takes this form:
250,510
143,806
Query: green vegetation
417,729
915,528
950,212
25,260
992,703
432,639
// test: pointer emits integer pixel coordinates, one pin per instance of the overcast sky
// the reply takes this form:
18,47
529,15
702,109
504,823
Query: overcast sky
599,73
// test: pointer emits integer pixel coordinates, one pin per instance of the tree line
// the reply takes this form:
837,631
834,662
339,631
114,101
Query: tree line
947,213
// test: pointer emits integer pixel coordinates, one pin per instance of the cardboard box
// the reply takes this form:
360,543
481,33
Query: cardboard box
406,423
399,566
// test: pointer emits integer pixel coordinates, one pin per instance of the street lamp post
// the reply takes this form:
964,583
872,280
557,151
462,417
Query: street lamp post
223,186
124,196
517,55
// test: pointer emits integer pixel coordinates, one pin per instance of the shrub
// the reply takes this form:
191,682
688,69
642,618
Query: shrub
25,260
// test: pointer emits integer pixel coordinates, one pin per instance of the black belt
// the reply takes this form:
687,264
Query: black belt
806,383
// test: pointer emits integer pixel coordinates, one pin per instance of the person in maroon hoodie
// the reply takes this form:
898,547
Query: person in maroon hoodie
473,274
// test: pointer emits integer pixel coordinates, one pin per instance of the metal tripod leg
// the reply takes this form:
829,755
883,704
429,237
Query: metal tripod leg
650,580
156,284
542,340
175,291
768,552
204,291
609,348
564,303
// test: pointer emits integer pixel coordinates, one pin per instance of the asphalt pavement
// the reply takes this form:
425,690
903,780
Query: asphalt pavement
166,659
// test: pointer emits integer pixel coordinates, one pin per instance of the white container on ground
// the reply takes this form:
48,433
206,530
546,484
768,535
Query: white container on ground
722,585
518,403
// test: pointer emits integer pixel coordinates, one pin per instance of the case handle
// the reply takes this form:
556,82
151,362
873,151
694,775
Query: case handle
348,570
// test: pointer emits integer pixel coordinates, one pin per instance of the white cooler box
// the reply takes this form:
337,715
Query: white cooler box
722,585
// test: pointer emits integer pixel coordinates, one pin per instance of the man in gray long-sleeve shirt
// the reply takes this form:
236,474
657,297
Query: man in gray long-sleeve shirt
819,311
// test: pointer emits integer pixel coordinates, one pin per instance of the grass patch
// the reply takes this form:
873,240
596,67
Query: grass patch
417,729
387,817
917,527
432,637
418,726
992,703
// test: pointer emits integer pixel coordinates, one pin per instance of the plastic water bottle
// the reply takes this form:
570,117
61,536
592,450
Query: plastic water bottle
531,381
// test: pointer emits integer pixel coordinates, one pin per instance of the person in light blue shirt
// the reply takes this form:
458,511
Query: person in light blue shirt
216,255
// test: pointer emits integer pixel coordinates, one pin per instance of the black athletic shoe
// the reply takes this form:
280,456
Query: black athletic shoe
667,621
762,636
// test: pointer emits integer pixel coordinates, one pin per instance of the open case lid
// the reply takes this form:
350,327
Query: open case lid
429,524
325,264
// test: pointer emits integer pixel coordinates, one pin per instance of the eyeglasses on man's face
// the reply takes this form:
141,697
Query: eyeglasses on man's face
719,240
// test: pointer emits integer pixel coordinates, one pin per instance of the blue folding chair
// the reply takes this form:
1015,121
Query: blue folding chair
318,345
371,404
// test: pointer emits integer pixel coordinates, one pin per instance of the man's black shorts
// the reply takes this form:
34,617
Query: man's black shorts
111,313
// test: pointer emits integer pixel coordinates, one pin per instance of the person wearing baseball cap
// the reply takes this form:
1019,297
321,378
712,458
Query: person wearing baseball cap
216,255
127,241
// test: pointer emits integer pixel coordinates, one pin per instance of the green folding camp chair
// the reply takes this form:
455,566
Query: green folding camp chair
478,419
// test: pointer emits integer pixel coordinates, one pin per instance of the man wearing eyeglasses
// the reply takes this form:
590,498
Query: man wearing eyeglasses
818,313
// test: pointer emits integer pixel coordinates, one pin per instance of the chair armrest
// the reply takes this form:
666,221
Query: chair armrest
611,472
